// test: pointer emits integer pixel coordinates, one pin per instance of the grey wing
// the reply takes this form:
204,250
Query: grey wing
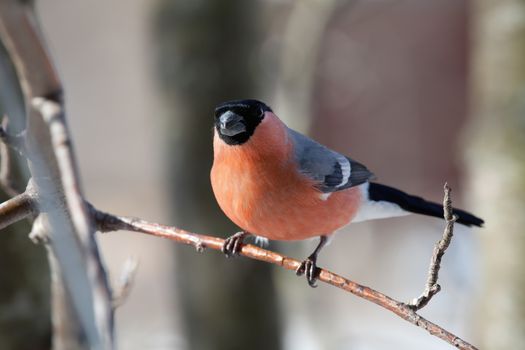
330,170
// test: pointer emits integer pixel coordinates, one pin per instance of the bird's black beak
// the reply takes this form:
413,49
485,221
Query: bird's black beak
231,124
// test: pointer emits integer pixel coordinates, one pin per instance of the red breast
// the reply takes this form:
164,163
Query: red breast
258,186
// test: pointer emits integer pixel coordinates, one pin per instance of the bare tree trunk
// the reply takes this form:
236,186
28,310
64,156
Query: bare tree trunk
205,53
497,166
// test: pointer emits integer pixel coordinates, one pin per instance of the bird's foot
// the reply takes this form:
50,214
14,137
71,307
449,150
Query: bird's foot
233,244
309,268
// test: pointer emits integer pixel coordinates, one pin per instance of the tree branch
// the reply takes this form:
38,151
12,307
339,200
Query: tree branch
18,207
53,114
432,287
108,222
56,179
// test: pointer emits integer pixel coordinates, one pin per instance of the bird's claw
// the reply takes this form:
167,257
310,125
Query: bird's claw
309,268
233,244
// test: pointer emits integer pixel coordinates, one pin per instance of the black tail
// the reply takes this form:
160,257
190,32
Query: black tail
418,205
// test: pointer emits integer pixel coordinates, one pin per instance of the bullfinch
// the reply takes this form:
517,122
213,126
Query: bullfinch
274,182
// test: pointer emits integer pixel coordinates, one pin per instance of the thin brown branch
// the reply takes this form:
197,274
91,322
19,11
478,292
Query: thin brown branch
431,286
108,222
18,208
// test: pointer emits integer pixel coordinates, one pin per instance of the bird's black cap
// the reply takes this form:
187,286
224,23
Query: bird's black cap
248,112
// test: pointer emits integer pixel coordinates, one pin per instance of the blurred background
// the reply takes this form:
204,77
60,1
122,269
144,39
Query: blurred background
420,91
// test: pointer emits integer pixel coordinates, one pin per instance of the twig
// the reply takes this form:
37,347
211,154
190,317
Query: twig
40,230
18,207
108,222
127,279
432,287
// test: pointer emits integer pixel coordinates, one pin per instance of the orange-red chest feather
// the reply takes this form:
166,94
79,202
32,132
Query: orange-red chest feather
258,186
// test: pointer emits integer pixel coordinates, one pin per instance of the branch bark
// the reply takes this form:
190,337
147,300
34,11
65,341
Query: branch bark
18,208
432,287
108,222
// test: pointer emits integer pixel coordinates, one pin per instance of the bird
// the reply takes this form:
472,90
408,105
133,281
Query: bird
277,183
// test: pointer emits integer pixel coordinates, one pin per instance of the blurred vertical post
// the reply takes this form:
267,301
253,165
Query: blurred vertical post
205,56
496,159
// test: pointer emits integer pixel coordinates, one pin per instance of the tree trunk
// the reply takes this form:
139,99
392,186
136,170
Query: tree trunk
205,53
496,160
